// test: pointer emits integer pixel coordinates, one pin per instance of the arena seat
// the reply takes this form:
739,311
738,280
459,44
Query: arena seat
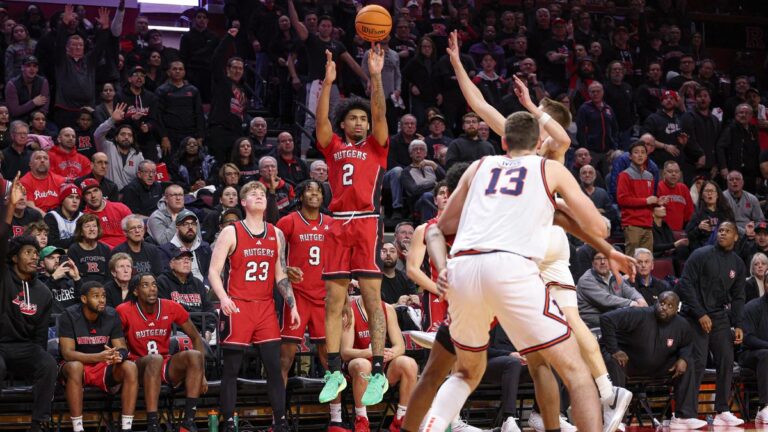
662,268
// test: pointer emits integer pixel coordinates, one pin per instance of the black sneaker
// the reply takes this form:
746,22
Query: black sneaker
227,426
188,426
153,426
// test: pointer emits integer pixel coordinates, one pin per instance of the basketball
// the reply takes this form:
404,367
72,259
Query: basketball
373,23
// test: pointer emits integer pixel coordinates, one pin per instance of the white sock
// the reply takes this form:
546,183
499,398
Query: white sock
447,404
400,411
126,422
605,388
335,412
361,412
77,424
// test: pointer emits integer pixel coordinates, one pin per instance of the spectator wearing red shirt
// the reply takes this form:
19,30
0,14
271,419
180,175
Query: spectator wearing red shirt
41,184
65,160
110,213
634,194
679,202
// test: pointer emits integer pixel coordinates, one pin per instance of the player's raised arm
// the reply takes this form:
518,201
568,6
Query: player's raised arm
449,220
323,126
471,93
379,127
556,147
224,246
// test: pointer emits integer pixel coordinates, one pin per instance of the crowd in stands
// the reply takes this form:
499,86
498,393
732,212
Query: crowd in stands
132,155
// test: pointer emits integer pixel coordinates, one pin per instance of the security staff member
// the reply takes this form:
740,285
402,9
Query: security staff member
755,355
712,280
654,342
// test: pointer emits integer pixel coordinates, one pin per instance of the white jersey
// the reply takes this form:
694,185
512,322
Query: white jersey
508,208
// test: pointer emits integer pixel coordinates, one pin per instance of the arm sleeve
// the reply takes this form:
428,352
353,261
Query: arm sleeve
117,23
100,135
224,50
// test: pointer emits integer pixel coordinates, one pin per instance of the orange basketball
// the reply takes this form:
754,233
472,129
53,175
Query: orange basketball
373,23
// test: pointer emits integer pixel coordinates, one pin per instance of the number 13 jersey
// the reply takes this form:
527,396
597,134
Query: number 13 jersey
355,173
252,264
508,208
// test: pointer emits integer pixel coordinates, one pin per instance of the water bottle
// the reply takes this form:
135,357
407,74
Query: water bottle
237,426
213,421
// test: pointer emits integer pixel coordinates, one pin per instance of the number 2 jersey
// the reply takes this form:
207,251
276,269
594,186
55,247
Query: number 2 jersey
305,240
356,172
508,208
252,264
150,333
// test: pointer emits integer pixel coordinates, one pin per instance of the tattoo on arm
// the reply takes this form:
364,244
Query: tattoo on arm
284,286
377,95
283,247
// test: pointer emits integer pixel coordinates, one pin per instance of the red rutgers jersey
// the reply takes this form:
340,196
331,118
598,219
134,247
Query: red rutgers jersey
252,264
150,334
362,332
305,240
356,172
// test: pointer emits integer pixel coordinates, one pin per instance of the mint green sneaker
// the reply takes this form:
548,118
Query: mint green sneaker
377,386
335,383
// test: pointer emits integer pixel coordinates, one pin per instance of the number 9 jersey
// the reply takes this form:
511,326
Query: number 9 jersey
252,264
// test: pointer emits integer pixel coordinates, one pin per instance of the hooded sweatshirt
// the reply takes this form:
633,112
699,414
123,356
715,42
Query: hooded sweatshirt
191,294
68,163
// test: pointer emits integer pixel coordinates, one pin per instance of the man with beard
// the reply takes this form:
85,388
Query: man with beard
177,284
180,109
110,213
65,159
147,323
671,141
653,342
41,184
61,221
145,256
712,291
61,277
94,353
468,147
99,166
187,238
122,156
395,284
25,310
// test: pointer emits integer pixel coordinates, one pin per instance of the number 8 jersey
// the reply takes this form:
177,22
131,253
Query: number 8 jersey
252,264
508,208
150,334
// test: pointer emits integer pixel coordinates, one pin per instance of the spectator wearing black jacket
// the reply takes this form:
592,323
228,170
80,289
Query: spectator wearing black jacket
17,155
747,247
143,193
76,70
653,342
145,257
27,92
197,48
178,284
468,147
664,242
711,210
180,108
60,275
99,168
619,95
703,129
290,168
142,112
738,148
755,354
25,311
648,94
121,269
228,104
712,291
645,283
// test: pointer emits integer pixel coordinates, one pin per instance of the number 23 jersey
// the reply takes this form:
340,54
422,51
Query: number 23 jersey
150,334
252,264
508,208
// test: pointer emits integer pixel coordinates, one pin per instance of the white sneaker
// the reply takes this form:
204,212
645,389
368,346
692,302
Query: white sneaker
459,425
726,418
423,339
510,425
565,426
537,423
762,416
615,409
686,423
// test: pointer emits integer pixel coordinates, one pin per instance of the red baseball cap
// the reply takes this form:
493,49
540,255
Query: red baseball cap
89,183
68,189
668,93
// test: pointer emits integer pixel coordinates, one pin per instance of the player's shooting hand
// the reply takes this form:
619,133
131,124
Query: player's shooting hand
330,67
295,275
228,306
678,368
376,59
522,93
442,283
295,318
621,358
